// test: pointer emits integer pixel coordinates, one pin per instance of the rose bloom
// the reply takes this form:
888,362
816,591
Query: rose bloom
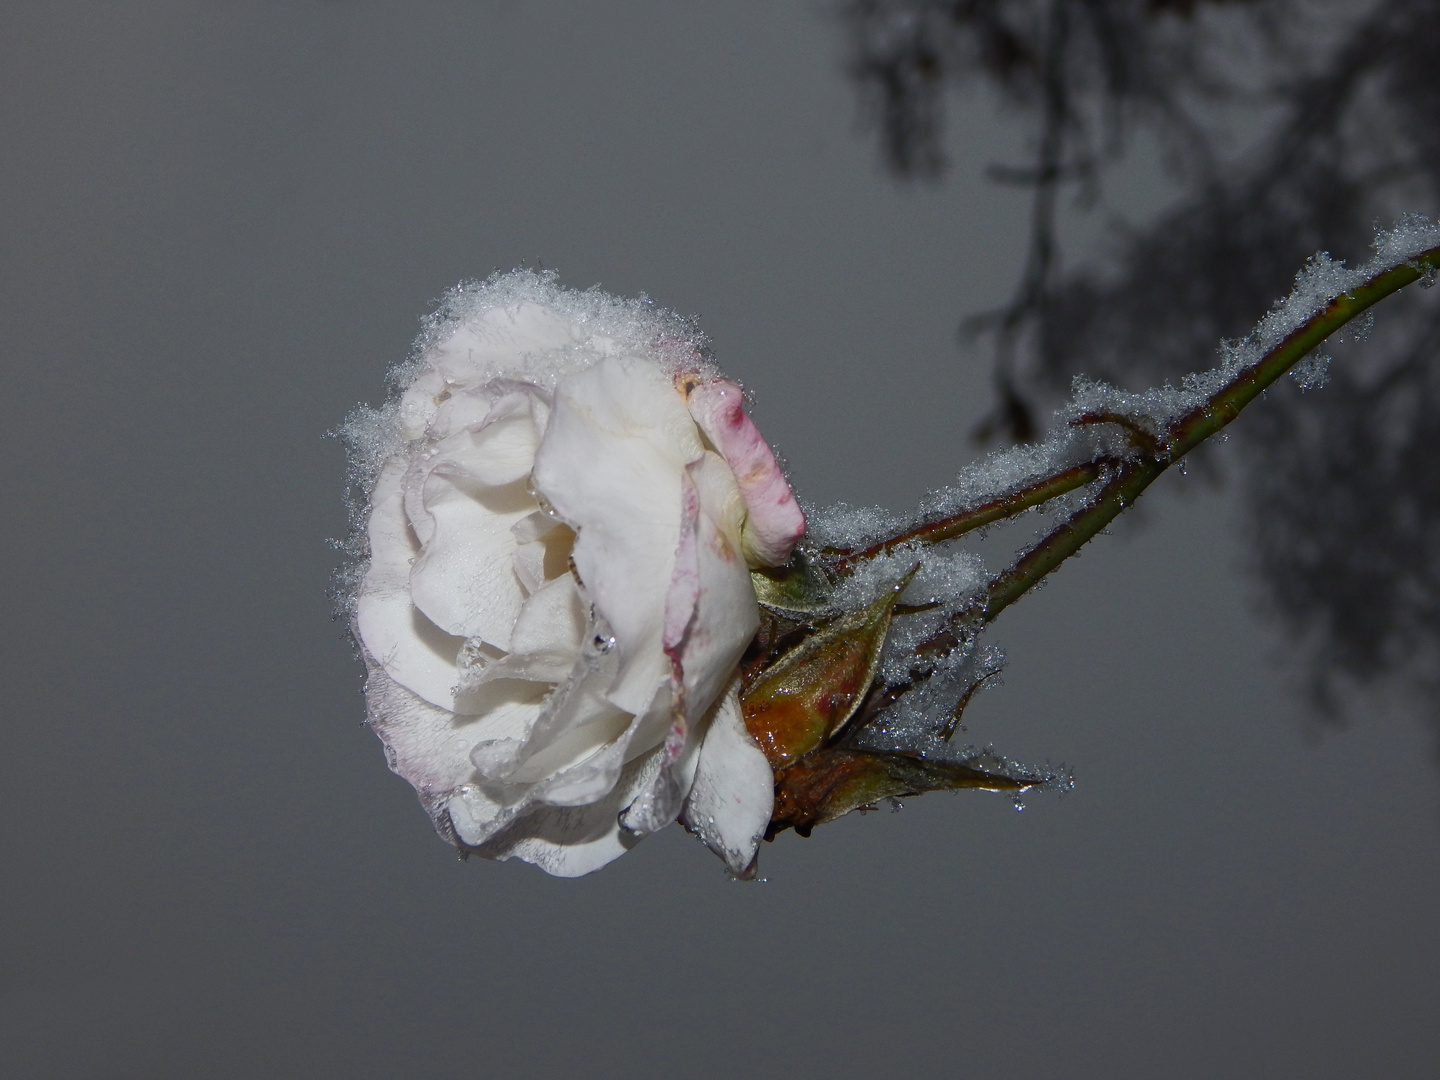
564,505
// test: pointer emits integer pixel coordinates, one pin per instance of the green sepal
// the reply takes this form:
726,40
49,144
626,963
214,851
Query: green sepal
809,693
801,586
833,781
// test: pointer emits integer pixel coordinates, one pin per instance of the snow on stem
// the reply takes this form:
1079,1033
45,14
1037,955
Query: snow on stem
1113,446
1132,476
1007,506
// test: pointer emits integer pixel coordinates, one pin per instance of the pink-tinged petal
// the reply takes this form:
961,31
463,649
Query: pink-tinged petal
775,521
733,795
710,617
683,597
413,650
610,464
725,616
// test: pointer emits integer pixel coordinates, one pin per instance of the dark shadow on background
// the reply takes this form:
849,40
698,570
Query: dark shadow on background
1342,484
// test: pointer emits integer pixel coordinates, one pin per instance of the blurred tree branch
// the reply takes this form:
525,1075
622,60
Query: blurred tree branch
1344,492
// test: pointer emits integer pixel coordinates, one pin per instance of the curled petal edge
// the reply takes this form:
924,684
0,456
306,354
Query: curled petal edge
775,521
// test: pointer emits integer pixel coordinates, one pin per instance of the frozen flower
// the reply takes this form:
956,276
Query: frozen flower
565,502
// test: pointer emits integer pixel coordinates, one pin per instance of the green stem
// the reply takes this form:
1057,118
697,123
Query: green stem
947,528
1183,435
1157,454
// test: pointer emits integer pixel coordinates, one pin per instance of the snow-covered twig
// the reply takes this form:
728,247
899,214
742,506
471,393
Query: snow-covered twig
1176,436
869,652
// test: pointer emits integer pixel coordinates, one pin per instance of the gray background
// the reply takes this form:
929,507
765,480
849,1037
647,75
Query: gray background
219,223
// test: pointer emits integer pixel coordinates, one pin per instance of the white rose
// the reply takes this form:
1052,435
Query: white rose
567,504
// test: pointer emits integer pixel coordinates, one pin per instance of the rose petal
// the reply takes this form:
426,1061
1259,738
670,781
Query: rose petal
413,650
775,521
543,549
568,736
472,494
483,808
576,753
725,615
610,464
465,580
503,446
660,801
502,341
495,451
499,342
732,797
545,644
458,410
572,841
430,746
585,763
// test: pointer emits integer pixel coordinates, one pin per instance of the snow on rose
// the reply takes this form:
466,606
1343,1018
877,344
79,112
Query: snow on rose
563,505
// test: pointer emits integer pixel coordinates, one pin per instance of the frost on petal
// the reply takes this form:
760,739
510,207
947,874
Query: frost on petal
499,342
420,403
733,793
775,522
610,464
413,650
